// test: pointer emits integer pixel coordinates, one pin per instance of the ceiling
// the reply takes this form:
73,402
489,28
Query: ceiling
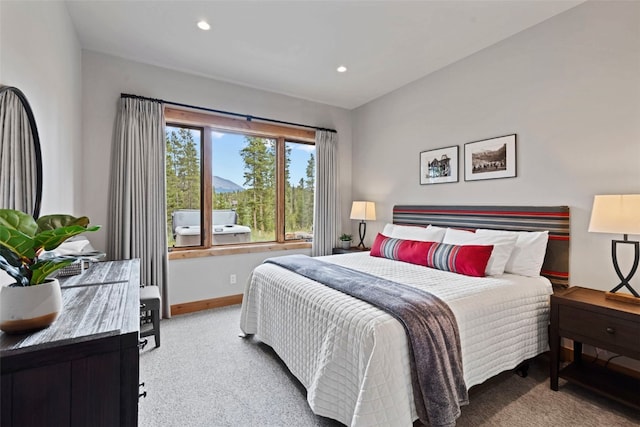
294,47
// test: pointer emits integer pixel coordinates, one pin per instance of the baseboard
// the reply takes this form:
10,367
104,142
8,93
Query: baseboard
566,354
190,307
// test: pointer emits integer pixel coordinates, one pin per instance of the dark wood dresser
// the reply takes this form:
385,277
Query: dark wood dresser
585,316
83,370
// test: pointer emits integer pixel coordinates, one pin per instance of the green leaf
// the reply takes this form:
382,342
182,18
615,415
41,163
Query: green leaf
51,222
11,257
42,269
18,242
51,239
22,240
18,221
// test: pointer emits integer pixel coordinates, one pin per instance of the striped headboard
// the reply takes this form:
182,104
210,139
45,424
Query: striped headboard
515,218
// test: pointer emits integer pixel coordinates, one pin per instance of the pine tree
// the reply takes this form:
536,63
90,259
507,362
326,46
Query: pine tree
307,219
259,179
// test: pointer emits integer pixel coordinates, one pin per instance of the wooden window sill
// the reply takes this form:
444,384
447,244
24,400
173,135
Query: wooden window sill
237,249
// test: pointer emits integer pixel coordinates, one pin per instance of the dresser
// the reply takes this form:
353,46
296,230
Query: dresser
587,317
83,370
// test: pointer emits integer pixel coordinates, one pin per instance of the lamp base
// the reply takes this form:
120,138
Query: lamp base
362,230
624,281
630,299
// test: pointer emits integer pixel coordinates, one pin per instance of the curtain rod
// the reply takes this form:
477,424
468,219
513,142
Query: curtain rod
229,113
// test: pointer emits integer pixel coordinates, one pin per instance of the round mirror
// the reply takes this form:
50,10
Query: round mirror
20,157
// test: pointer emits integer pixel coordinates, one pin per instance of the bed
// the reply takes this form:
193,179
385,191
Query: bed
353,358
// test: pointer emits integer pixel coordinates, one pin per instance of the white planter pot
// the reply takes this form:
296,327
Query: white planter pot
29,308
346,244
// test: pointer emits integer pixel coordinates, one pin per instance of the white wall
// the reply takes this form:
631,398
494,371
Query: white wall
40,55
197,279
568,87
105,77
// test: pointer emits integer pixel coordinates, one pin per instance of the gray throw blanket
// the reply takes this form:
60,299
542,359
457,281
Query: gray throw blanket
434,342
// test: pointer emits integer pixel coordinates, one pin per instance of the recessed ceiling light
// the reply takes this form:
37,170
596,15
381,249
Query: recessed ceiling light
341,69
204,25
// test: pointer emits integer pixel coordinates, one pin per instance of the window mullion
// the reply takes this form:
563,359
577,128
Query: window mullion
207,189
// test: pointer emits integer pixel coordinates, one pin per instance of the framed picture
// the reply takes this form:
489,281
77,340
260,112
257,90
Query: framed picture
439,165
490,158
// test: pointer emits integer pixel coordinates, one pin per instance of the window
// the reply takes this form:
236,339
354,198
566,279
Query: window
246,182
183,182
299,190
244,173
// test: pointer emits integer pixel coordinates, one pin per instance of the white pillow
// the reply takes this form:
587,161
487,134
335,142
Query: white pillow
502,247
388,229
528,255
441,230
414,232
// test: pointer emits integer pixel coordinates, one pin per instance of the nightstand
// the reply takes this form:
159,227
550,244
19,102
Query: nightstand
352,249
586,317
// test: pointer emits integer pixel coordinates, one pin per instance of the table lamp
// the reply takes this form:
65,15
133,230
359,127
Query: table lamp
363,211
619,214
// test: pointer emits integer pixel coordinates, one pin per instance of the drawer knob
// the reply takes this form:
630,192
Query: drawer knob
610,330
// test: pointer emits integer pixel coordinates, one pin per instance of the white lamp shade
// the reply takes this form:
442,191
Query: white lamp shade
364,211
616,214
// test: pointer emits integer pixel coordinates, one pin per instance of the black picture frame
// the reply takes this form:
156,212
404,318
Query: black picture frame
492,158
439,166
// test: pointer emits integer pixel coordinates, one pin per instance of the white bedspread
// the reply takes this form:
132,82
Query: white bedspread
353,358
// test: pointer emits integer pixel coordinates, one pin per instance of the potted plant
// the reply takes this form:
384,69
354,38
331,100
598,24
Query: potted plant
345,240
34,301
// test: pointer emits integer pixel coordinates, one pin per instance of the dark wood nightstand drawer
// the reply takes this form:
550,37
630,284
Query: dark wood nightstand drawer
586,316
599,329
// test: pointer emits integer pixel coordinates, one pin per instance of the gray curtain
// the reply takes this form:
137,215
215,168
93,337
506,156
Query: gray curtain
326,217
137,216
17,156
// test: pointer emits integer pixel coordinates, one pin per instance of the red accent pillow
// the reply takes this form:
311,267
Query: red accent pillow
411,251
470,260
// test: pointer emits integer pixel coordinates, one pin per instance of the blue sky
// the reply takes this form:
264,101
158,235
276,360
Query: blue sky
228,164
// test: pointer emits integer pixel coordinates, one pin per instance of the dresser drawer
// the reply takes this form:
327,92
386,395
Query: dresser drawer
599,329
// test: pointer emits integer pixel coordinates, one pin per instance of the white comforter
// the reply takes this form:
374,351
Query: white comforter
353,358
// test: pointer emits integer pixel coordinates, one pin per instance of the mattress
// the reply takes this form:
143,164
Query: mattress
353,358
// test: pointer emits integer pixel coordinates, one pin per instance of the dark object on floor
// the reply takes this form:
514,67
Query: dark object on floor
150,312
523,369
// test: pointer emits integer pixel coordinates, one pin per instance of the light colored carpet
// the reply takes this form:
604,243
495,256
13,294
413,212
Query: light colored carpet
205,375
